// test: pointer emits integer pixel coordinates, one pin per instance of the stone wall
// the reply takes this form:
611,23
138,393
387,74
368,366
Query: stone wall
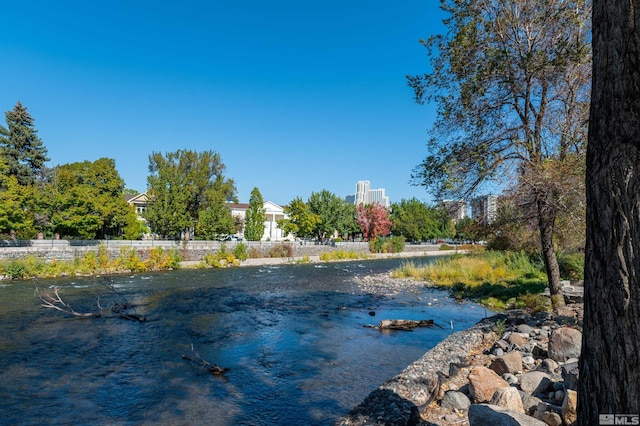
191,250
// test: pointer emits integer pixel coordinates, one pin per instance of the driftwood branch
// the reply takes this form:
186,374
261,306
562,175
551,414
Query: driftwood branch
406,325
197,360
55,301
120,306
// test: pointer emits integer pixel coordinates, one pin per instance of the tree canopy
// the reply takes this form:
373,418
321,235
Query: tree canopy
179,187
20,146
255,217
373,220
511,80
334,212
417,221
301,221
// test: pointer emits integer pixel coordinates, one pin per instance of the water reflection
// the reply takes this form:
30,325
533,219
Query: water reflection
292,337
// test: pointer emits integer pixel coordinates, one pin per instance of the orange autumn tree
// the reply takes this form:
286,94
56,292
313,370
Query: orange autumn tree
373,220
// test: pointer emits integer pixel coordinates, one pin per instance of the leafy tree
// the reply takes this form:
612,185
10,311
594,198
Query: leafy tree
415,220
609,364
255,217
334,212
87,200
373,220
468,229
511,80
179,184
215,221
20,146
14,214
134,227
301,222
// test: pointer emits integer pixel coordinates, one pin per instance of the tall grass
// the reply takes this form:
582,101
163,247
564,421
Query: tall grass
500,280
92,263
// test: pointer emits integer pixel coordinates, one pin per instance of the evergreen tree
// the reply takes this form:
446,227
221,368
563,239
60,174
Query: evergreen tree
21,147
254,222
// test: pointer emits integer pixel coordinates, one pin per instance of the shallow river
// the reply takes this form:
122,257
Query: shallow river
292,337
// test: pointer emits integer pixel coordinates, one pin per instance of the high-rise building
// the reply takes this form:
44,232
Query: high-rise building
457,209
366,195
484,209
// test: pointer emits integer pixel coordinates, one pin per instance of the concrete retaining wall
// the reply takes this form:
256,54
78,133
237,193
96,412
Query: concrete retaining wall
191,250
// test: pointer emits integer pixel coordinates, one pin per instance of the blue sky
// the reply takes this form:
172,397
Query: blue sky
295,96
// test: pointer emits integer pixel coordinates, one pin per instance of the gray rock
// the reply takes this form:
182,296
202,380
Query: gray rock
552,419
529,361
512,379
498,352
530,403
534,382
454,400
502,344
558,396
491,415
548,365
524,328
565,343
508,398
570,374
509,363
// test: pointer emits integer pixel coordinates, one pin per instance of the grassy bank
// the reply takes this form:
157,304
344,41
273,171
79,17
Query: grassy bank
500,280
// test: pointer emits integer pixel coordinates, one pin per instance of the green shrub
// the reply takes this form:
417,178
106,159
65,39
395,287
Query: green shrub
240,251
571,266
15,270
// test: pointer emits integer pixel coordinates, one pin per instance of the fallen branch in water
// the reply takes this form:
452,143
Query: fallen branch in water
406,325
204,364
55,302
120,306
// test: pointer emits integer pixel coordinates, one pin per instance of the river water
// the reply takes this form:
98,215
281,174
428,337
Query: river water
292,337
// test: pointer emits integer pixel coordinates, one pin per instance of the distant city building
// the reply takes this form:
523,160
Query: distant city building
457,209
484,209
351,199
366,195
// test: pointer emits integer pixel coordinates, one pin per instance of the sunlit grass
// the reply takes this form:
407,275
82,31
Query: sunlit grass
500,280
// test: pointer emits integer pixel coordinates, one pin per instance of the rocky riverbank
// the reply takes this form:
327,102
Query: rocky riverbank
513,368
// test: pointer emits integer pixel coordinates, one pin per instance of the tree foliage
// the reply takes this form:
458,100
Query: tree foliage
301,220
86,200
512,81
373,220
334,212
215,221
178,187
255,217
21,148
417,221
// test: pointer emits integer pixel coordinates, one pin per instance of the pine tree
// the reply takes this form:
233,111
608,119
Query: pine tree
20,146
254,225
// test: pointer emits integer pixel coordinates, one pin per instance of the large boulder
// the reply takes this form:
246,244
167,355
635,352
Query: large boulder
509,363
492,415
565,343
483,383
534,382
454,400
508,398
570,408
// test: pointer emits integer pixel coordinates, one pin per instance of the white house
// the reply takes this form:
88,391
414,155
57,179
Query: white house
273,213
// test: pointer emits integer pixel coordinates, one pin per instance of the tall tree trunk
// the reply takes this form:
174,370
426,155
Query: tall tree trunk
546,223
610,361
